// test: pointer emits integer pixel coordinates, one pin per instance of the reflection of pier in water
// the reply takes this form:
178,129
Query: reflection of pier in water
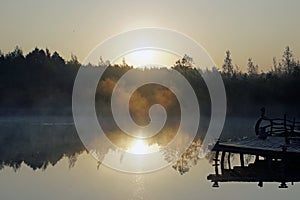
276,150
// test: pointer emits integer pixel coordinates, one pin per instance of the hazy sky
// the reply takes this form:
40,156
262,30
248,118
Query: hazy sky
257,29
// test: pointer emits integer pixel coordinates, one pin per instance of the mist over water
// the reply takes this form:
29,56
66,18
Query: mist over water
41,142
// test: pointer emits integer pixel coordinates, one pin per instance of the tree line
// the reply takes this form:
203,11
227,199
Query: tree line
41,82
277,89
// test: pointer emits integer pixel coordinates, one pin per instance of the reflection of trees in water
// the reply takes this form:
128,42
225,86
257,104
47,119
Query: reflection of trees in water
185,161
38,146
194,153
41,145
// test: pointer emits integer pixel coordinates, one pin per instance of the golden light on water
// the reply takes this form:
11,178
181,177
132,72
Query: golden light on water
140,146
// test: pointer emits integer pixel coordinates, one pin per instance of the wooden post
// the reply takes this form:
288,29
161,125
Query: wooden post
242,160
283,162
216,162
216,184
222,161
228,160
285,131
256,158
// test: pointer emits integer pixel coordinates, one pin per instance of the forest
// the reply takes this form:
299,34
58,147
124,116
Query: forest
41,83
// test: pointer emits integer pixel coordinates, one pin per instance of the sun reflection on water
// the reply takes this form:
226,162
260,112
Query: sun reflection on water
140,146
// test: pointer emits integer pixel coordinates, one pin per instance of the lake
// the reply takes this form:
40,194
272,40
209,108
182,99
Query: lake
43,158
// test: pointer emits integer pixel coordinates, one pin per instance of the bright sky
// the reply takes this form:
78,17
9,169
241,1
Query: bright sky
257,29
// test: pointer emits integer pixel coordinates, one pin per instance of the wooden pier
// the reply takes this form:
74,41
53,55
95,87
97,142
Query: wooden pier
275,147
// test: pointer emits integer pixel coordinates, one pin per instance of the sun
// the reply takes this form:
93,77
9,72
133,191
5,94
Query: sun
139,146
148,58
143,57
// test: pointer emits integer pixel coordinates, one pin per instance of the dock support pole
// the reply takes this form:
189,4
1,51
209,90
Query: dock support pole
222,161
242,160
216,162
286,133
228,160
256,158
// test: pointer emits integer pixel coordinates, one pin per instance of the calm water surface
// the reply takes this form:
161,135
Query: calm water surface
49,162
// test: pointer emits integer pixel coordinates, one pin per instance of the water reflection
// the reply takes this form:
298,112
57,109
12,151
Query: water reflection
38,145
256,169
42,144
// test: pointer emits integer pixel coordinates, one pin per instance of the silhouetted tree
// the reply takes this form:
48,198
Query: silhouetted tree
57,60
237,70
287,59
15,54
227,66
275,67
252,69
187,61
124,64
74,61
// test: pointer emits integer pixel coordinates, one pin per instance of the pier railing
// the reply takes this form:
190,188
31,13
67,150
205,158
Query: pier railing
275,153
290,129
